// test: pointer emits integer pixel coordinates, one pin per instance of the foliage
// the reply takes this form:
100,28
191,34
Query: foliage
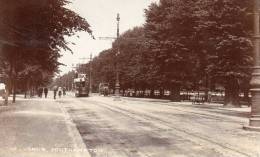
184,44
32,34
131,62
226,29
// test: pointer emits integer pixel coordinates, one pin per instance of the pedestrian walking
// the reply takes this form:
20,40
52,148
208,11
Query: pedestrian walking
55,89
64,91
60,92
2,90
46,92
40,92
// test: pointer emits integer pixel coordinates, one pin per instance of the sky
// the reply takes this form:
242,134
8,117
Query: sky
101,15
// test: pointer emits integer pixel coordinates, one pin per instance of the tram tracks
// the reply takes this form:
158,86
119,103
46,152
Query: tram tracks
202,113
223,148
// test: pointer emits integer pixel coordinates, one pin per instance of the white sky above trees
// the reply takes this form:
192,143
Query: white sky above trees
101,15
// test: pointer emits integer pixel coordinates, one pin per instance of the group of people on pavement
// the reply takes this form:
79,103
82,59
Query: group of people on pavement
60,90
42,90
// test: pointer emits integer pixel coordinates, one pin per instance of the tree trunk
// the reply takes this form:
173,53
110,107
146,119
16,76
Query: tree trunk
14,85
31,92
25,94
207,95
246,97
9,83
232,93
26,88
143,93
161,93
176,93
14,89
152,93
207,88
135,91
123,92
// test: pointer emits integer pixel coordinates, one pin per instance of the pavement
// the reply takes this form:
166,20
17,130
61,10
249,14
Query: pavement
38,128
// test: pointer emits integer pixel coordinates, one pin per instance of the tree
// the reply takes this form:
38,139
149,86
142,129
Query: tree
104,68
170,29
33,33
131,60
226,27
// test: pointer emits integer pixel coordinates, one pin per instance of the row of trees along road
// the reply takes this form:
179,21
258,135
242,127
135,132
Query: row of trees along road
184,45
31,37
197,41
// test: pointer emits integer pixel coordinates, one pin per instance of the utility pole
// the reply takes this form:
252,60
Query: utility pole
82,65
74,70
117,85
254,121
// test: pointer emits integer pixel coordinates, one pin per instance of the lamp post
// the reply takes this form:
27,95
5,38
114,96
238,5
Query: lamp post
117,85
254,121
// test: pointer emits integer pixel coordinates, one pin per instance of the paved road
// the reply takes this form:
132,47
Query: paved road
156,129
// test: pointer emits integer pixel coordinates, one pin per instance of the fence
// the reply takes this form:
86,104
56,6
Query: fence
213,97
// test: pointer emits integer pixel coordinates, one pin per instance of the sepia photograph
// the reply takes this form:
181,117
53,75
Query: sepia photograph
129,78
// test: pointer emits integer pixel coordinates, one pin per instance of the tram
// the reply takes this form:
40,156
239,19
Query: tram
81,85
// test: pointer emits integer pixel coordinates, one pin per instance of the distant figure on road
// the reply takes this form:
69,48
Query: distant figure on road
45,92
55,89
60,92
106,91
64,91
2,90
40,92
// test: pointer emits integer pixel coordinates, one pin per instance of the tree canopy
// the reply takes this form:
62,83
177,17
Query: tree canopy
32,35
185,45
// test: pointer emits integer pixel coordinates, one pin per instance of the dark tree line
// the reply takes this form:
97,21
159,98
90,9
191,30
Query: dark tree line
196,42
31,37
184,45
